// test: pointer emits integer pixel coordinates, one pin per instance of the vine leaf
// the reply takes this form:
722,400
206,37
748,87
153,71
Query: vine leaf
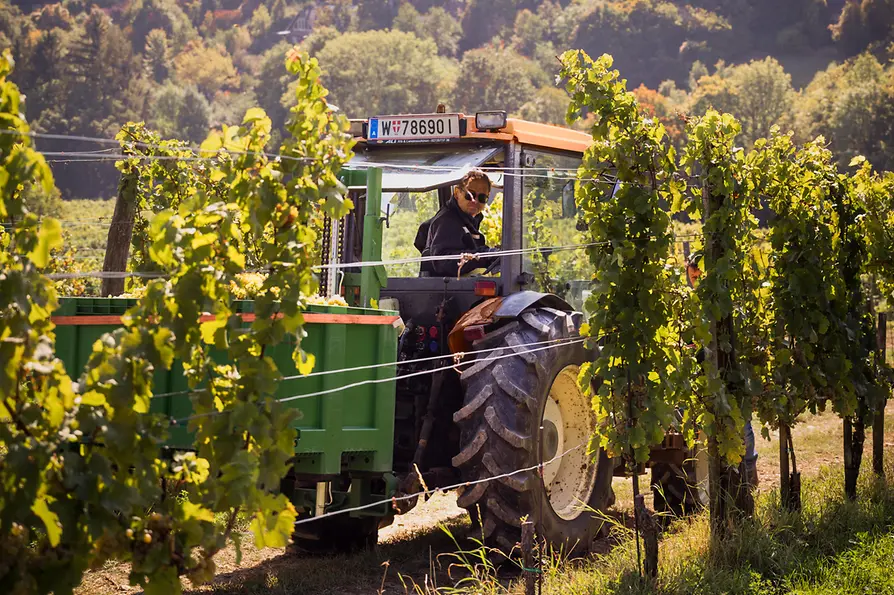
49,237
50,520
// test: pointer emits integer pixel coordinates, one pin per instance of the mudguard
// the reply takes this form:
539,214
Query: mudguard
515,304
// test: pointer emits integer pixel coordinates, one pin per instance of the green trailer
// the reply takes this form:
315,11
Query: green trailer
342,432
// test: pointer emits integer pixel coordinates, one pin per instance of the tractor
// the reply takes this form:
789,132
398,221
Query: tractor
515,404
509,427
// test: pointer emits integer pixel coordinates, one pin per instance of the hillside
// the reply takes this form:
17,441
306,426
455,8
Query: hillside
87,66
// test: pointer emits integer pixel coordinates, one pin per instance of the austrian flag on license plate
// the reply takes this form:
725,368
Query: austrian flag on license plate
408,128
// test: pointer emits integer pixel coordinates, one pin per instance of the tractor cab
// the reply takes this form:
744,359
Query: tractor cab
532,169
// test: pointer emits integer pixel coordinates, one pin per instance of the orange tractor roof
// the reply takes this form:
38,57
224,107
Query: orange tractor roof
545,136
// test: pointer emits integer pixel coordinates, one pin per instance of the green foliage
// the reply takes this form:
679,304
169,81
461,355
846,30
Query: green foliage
851,105
261,21
408,211
876,192
436,24
82,468
862,23
759,94
157,55
650,36
547,105
630,304
808,361
143,16
180,111
209,68
493,78
404,73
723,200
80,79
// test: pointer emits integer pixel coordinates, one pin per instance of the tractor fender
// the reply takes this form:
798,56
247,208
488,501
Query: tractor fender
515,304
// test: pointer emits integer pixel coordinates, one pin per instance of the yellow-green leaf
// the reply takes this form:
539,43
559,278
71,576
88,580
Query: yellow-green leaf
49,518
254,113
50,237
93,398
273,524
212,144
197,512
305,363
209,329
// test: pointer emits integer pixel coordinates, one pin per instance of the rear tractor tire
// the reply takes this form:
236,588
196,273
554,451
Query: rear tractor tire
507,400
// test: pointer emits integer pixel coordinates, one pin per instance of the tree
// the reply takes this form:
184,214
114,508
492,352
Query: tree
548,105
653,40
403,75
764,97
759,94
862,24
484,19
852,105
493,78
377,14
657,105
272,84
53,16
145,15
208,68
182,112
439,25
102,87
261,21
45,78
338,13
157,55
436,24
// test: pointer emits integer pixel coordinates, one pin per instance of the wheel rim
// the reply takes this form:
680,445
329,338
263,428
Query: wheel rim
568,421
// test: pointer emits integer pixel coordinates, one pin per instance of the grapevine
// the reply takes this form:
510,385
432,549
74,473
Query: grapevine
631,301
83,461
722,198
808,362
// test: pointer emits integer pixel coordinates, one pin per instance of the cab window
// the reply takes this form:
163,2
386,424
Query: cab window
549,221
406,212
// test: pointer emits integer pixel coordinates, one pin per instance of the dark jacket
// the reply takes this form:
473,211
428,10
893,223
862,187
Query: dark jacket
451,231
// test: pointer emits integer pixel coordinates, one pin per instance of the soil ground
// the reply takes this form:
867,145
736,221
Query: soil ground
416,549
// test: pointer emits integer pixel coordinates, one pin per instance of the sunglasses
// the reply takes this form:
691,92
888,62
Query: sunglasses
481,197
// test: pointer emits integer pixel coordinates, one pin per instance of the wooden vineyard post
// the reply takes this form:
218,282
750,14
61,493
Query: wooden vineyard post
785,488
120,232
527,547
878,424
850,480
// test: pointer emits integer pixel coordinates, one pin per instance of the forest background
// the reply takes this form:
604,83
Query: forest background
817,67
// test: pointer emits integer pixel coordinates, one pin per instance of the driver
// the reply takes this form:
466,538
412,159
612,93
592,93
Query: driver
454,229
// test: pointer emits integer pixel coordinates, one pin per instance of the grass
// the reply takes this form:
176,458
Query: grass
832,546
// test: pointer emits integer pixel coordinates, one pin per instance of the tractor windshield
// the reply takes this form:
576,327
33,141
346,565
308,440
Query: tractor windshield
412,177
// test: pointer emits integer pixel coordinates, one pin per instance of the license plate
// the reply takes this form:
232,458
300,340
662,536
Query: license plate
413,128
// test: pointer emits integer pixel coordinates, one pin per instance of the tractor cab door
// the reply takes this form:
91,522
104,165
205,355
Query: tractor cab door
556,263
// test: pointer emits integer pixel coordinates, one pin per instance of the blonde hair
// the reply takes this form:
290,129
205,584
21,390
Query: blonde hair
475,174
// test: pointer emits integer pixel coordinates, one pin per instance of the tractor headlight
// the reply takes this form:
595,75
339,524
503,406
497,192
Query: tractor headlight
490,120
